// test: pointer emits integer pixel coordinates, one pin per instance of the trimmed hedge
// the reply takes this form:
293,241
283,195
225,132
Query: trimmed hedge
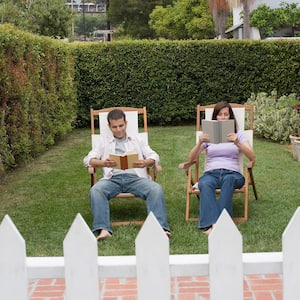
172,77
37,95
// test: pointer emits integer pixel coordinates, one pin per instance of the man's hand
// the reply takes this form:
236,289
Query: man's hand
139,164
109,163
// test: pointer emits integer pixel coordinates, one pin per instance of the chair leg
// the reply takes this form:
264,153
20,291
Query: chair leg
252,183
187,205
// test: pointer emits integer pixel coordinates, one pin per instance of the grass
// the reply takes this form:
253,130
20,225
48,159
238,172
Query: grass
43,197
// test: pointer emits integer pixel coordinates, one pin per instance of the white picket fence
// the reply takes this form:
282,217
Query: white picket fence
153,266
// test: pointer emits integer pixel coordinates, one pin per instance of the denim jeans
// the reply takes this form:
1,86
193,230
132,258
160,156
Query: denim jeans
211,208
106,189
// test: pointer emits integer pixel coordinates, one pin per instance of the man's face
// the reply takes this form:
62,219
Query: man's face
118,128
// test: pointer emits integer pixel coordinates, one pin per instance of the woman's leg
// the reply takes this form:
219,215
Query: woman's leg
209,209
230,181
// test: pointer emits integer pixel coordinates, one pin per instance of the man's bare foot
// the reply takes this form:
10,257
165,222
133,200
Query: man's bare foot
104,234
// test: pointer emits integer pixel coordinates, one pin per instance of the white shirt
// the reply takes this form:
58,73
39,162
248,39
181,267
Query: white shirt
107,144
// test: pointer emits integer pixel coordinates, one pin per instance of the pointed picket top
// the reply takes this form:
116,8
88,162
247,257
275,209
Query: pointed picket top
291,257
225,260
81,267
13,268
152,261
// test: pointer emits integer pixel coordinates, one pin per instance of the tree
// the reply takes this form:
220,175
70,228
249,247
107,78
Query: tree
219,10
132,16
92,23
185,19
246,14
45,17
265,19
290,14
268,20
13,12
50,18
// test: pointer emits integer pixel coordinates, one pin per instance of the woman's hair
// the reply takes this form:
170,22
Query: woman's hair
219,106
116,114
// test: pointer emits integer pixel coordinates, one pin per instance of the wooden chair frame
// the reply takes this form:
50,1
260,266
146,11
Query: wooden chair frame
194,172
152,172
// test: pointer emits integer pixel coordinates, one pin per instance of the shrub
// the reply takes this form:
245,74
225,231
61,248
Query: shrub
275,118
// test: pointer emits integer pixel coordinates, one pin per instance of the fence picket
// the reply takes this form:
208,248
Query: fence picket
13,268
225,260
291,258
225,264
152,261
81,253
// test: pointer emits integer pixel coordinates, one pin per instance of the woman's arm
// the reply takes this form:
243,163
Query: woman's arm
244,147
196,150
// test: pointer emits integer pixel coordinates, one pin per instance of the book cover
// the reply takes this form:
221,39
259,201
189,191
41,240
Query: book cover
124,161
218,130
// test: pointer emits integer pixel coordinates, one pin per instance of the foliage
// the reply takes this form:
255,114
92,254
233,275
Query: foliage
268,20
172,77
44,17
275,118
92,23
50,18
182,20
13,12
37,96
131,17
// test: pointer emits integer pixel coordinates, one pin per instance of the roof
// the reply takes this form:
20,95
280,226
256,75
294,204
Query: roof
234,27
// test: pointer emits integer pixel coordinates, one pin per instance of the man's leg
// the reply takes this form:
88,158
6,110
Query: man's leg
152,192
100,194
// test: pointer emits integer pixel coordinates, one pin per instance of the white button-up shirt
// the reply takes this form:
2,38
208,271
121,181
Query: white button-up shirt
107,144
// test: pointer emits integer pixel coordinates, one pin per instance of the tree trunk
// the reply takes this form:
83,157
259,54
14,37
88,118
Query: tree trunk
246,30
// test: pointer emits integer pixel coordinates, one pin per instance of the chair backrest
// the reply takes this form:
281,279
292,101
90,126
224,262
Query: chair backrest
241,112
132,117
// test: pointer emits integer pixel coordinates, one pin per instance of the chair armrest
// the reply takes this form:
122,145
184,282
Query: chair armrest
250,164
186,165
91,170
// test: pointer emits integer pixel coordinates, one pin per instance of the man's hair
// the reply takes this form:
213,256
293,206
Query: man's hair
116,114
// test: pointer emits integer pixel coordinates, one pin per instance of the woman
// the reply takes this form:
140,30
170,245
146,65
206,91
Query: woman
222,170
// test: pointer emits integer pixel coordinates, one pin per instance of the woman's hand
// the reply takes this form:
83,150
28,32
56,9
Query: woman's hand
204,137
185,165
232,137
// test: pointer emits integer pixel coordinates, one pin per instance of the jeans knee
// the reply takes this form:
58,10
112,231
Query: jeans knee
202,184
157,189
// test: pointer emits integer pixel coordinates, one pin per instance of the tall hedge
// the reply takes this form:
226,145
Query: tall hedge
172,77
37,95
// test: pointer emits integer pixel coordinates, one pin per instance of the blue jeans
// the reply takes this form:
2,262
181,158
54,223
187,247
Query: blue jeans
106,189
210,207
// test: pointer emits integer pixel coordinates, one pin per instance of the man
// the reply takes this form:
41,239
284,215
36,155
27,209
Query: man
115,181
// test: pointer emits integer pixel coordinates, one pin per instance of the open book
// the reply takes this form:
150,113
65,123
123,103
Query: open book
218,130
124,161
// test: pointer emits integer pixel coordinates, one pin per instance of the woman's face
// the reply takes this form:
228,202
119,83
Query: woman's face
223,114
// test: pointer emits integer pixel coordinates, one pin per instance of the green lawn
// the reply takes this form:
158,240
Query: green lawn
43,197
